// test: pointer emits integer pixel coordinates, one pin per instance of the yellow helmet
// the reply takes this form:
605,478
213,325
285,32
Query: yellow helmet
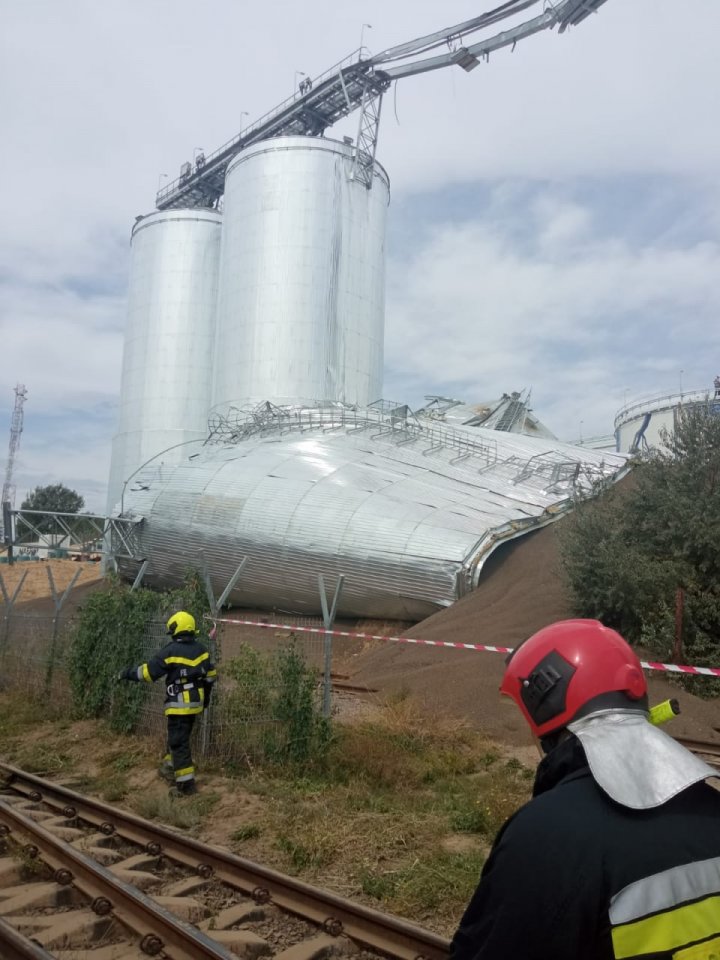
181,622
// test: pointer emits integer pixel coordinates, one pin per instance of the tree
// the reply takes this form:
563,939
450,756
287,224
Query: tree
627,551
55,498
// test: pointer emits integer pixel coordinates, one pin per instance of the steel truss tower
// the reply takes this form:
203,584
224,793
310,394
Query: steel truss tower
16,427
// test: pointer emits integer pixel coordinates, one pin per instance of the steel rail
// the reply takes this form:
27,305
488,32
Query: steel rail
110,895
14,946
384,933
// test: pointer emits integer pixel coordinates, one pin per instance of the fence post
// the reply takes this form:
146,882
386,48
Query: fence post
58,602
215,608
9,604
140,574
328,620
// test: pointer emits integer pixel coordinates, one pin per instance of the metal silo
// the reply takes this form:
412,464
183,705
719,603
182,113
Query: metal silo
169,338
302,276
406,511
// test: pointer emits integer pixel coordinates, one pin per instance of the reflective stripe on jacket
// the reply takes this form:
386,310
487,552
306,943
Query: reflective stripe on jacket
188,670
575,875
676,911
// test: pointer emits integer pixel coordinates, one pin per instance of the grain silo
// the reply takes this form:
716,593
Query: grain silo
301,302
169,336
406,510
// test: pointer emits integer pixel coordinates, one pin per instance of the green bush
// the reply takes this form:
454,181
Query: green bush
268,708
110,634
626,550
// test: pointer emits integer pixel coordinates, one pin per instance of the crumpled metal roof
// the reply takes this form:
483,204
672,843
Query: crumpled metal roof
406,511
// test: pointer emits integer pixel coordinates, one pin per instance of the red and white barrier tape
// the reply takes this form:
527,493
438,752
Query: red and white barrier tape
483,647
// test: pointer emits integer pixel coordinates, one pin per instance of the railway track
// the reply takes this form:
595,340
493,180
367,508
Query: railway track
81,880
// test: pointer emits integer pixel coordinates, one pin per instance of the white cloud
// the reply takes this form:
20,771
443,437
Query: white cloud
578,318
99,99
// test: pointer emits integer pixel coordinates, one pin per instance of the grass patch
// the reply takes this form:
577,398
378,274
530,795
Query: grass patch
439,883
187,813
387,808
20,712
250,832
42,758
402,749
113,789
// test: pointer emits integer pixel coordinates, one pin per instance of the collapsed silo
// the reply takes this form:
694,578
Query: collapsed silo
169,337
301,301
405,511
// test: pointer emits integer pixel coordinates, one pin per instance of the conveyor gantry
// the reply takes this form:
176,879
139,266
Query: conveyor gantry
357,83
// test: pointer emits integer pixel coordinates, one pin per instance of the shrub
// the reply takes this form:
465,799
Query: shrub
268,708
110,634
627,551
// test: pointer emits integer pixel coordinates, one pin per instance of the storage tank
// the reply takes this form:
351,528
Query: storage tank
302,276
169,338
640,424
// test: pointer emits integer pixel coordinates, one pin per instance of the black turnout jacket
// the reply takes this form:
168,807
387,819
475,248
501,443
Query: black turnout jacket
575,876
188,670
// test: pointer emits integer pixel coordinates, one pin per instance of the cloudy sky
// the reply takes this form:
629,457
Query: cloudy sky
555,216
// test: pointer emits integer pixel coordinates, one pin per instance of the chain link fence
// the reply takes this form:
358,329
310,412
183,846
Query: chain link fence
32,657
267,702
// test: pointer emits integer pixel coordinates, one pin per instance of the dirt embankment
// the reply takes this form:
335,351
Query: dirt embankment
521,590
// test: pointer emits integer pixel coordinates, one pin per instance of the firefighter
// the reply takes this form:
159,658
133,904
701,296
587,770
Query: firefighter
618,853
189,674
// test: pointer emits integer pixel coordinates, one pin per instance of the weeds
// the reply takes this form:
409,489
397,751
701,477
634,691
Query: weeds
250,832
42,758
268,709
187,813
439,883
19,713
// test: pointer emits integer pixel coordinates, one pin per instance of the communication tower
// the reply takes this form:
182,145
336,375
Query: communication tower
16,427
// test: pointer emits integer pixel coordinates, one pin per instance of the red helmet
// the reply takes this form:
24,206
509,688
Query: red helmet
569,669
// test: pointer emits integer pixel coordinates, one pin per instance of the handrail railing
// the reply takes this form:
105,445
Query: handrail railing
238,424
651,403
253,128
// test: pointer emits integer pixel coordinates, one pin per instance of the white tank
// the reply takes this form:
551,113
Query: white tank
640,424
169,339
302,276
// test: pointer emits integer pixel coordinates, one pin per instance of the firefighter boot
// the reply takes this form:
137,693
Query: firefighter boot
165,770
186,788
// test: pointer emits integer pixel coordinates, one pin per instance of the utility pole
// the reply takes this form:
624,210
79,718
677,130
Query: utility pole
16,427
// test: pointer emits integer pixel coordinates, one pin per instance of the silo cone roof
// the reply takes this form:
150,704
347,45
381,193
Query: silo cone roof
406,511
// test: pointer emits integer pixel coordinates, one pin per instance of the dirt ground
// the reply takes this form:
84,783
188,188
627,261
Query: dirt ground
36,584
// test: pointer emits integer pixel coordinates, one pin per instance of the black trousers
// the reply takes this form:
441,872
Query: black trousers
179,731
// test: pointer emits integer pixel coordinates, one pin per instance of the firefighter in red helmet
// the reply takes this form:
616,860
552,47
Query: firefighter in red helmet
618,853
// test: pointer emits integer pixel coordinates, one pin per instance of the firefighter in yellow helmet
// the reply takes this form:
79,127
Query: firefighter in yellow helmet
189,676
